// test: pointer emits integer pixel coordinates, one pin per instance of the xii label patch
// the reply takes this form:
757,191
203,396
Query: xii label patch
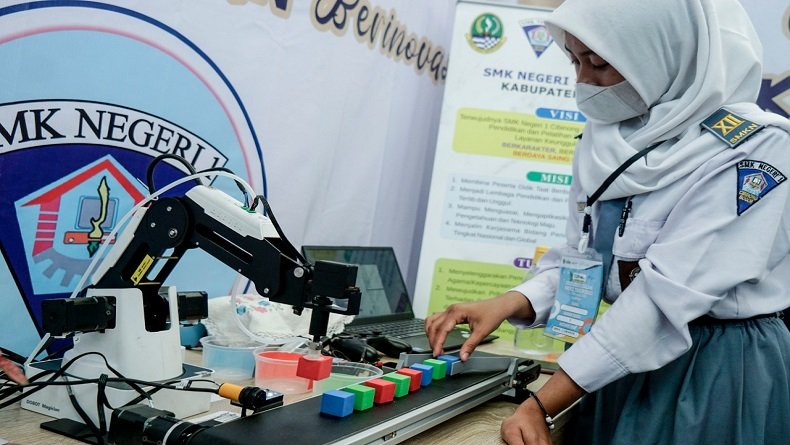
729,127
755,180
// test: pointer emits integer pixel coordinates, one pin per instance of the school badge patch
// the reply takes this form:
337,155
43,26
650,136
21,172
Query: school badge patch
729,127
755,180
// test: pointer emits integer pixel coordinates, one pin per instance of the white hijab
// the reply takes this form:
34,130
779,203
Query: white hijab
686,59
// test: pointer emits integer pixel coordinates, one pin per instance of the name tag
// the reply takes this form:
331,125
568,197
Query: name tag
578,297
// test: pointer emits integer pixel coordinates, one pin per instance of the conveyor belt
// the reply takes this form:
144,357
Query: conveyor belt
302,423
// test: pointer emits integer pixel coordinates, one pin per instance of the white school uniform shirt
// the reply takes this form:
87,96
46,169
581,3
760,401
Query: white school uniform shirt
697,256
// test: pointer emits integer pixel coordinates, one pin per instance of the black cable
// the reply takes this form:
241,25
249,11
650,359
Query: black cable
293,251
139,399
149,175
169,385
83,415
55,375
101,398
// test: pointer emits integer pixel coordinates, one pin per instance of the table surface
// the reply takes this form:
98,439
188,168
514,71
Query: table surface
480,425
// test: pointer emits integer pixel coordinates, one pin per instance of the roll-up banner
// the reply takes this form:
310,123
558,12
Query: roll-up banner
502,170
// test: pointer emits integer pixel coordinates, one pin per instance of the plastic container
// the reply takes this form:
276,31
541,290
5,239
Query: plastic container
531,343
348,373
231,361
276,369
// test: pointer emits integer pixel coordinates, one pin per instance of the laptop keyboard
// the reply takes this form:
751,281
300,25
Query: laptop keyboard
399,329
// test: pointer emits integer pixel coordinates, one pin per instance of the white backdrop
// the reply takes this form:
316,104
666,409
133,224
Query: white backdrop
335,102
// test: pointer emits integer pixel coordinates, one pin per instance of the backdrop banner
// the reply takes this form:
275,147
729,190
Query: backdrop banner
328,107
508,129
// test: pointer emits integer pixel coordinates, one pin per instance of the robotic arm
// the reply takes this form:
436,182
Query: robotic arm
126,324
205,218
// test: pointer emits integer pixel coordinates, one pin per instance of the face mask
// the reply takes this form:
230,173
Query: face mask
615,103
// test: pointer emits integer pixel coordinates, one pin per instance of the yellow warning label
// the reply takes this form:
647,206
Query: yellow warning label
142,269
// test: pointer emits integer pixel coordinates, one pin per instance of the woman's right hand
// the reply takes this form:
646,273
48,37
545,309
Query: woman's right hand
483,318
12,371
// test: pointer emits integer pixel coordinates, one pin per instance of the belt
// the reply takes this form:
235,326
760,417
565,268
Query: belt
706,320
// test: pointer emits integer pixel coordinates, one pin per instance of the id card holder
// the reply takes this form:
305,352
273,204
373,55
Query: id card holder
578,296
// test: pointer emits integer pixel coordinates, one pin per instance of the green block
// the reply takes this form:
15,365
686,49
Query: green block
363,396
401,381
439,367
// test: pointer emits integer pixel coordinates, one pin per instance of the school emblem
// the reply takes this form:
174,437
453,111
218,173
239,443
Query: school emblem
537,35
755,180
486,34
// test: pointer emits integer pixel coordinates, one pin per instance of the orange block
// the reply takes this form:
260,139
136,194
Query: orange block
314,368
415,375
385,390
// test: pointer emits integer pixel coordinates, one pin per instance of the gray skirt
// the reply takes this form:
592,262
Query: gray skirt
731,387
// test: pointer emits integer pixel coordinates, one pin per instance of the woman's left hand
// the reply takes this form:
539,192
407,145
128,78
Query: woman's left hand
527,426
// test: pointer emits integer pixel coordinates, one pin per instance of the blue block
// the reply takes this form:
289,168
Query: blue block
450,359
427,373
337,403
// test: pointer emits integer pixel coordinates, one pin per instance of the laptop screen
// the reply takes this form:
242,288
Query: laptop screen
384,294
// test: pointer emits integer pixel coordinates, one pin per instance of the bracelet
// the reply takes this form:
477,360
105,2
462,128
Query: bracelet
548,419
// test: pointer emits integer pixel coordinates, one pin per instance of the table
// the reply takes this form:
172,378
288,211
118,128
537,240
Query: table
479,425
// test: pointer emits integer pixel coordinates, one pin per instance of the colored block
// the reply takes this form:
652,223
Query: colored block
337,403
314,368
385,390
449,359
402,383
427,373
439,367
363,396
414,375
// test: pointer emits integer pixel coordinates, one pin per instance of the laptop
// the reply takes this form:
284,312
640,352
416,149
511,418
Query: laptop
385,306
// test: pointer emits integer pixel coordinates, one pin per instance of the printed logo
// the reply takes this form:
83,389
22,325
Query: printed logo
63,222
537,35
487,33
755,180
98,92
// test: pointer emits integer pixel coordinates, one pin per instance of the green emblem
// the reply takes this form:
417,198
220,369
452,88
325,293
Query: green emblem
487,33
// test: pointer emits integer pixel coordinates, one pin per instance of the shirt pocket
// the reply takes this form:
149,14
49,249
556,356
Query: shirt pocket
638,236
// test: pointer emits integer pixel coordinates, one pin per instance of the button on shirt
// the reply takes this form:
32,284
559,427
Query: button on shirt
697,256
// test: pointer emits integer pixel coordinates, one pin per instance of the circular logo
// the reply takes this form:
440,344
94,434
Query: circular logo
486,34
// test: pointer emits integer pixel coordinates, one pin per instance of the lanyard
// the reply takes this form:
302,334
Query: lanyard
585,237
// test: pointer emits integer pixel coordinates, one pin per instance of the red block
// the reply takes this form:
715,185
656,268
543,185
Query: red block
415,375
385,390
314,368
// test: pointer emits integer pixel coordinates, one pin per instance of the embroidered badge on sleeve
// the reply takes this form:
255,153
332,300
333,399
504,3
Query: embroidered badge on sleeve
729,127
755,180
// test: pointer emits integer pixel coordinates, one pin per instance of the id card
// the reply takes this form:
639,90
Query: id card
578,297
